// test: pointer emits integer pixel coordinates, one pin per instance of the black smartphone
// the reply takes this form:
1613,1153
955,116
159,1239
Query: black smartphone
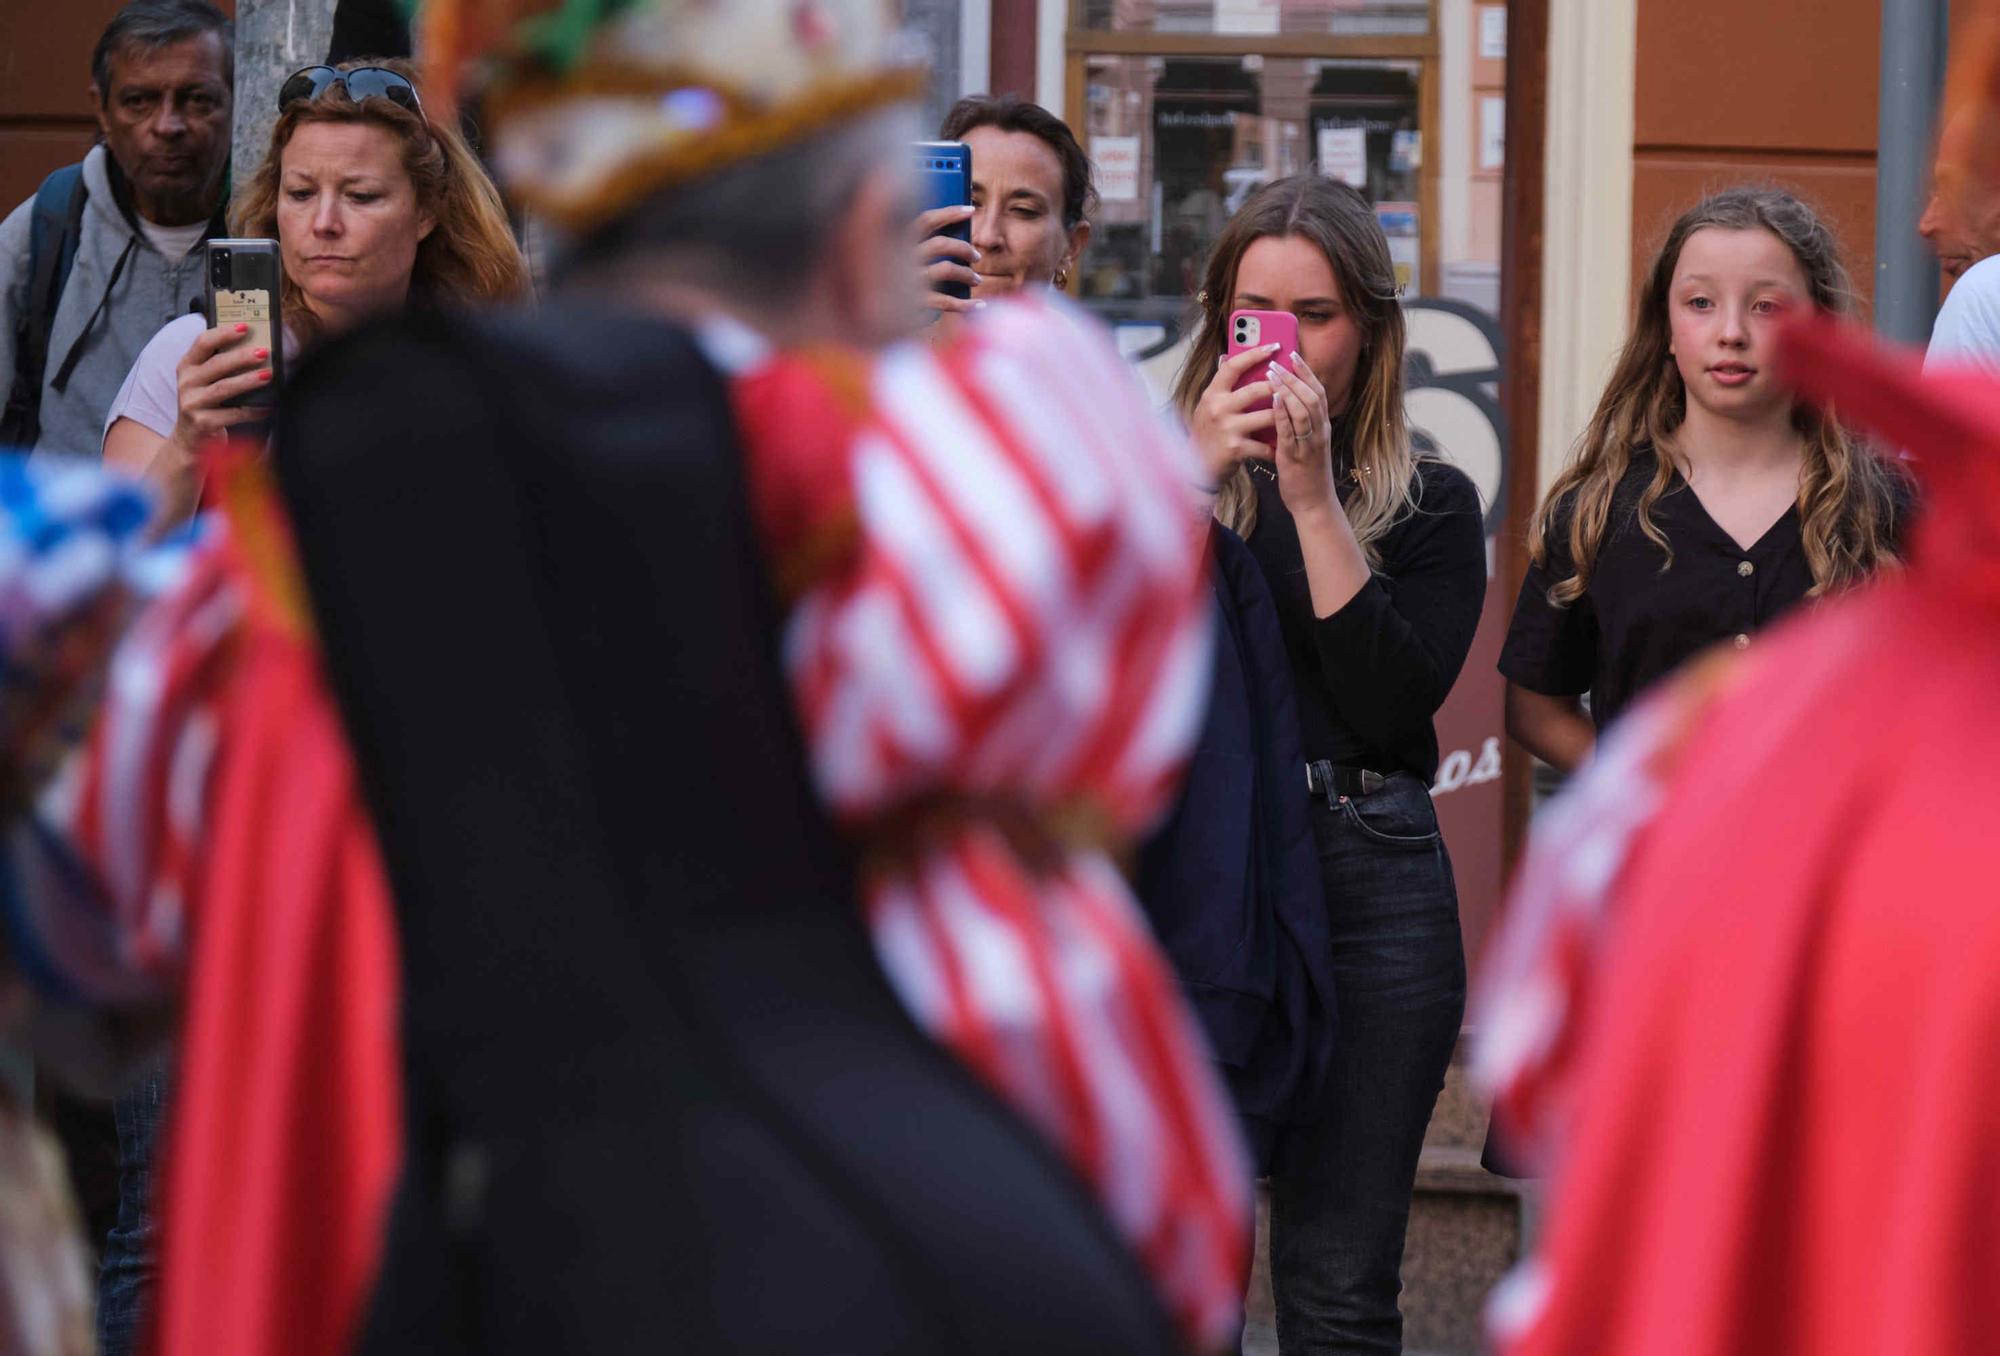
243,287
944,179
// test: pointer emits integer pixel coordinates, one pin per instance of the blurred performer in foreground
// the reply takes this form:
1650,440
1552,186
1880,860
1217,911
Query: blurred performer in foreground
682,641
1746,1001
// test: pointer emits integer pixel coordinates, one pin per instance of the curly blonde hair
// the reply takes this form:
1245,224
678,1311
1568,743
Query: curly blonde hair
1847,504
470,256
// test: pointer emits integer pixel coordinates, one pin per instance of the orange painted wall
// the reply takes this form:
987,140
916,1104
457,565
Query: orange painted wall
1734,91
45,114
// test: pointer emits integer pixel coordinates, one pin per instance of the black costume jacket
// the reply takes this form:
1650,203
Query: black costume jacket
659,1096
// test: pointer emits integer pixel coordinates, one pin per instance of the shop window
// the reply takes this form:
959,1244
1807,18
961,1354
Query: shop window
1339,18
1181,142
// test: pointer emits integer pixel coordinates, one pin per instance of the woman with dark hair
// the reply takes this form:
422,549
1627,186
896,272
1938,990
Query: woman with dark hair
1031,193
1376,559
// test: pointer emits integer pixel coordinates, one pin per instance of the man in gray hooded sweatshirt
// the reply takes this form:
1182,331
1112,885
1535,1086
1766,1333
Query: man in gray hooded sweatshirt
134,212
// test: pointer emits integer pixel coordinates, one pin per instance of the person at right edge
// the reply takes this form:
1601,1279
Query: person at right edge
1376,559
1961,224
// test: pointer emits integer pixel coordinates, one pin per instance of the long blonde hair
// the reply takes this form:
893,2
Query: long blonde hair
470,256
1371,430
1846,504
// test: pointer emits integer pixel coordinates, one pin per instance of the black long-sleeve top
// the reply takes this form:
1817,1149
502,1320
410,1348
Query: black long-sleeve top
1371,677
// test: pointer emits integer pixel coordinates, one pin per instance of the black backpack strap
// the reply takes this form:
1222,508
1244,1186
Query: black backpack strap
61,382
55,225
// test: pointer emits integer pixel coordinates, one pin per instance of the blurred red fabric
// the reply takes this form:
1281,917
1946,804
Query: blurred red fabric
1766,1087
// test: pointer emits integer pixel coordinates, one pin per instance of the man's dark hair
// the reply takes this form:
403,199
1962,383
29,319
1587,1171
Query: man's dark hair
148,25
1012,113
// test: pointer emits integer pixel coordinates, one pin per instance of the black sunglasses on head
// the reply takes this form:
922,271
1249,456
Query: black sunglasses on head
363,82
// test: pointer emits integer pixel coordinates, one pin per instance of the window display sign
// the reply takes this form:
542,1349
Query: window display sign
1117,163
1399,223
1343,155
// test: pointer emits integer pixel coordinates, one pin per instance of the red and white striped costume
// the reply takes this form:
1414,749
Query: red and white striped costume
998,645
208,848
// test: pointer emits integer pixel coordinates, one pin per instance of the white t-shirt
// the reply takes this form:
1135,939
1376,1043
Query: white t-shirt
173,241
1967,332
151,395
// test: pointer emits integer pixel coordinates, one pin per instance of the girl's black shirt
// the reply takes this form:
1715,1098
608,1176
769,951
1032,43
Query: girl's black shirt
1370,677
1638,619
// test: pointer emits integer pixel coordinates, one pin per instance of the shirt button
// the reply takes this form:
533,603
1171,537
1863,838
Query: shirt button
1746,569
1742,642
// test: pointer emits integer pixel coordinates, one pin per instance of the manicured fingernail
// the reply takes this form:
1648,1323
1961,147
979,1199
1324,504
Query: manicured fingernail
977,255
262,353
1297,356
265,375
242,328
1270,348
978,305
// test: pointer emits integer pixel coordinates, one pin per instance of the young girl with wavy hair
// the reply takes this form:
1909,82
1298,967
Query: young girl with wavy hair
1703,501
1376,562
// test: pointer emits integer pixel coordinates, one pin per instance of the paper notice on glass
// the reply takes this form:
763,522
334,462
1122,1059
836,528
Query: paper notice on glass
1493,32
1343,155
1117,161
1246,16
1492,132
1406,151
1399,224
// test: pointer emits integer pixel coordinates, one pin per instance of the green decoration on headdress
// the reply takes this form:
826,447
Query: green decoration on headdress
559,39
556,39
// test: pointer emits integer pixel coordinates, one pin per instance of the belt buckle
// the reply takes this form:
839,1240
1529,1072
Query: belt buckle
1323,780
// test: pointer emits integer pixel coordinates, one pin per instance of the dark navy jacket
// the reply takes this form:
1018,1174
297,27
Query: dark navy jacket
1231,881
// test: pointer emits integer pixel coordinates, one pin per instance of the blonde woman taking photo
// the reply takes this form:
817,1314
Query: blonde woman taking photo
1376,559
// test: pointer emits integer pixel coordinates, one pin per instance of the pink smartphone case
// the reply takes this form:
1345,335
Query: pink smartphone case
1279,327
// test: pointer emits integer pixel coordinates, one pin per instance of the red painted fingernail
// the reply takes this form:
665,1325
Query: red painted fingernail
262,353
265,375
242,328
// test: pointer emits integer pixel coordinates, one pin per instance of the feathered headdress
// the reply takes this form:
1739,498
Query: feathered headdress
594,104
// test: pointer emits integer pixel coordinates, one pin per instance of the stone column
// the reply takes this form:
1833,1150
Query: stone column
273,39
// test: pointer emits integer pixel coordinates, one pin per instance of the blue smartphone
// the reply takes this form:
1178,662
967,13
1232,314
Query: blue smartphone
944,179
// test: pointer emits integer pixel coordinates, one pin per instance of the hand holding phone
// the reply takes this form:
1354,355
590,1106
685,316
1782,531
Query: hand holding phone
244,286
1256,329
944,184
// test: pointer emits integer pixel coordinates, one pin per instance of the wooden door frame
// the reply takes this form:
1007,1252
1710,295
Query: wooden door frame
1522,218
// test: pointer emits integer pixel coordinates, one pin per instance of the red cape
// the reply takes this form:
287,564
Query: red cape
286,1111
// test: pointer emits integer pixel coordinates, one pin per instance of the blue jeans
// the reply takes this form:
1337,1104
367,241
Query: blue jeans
125,1273
1341,1186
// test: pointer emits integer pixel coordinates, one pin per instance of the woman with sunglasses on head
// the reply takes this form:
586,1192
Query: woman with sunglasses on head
1376,559
374,208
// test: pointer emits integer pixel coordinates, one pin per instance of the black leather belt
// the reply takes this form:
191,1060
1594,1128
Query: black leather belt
1327,779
